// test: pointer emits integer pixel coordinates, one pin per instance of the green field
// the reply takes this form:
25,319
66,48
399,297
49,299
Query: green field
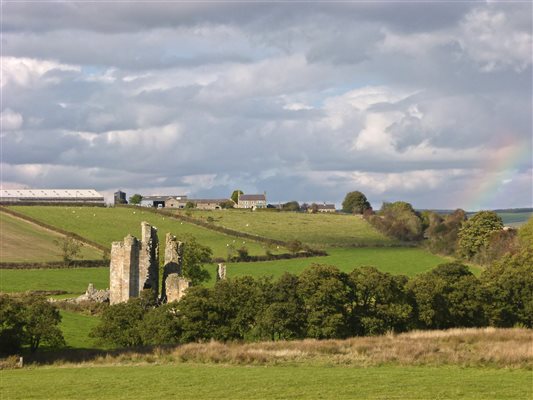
105,225
319,230
406,261
76,328
307,381
21,241
72,280
515,219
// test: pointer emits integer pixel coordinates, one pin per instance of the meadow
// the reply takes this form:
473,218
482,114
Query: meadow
105,225
76,328
319,230
406,261
21,241
199,381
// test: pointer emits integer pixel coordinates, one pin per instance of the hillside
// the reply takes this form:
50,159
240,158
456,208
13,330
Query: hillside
21,241
318,230
105,225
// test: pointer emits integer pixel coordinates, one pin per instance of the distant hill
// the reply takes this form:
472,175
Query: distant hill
510,216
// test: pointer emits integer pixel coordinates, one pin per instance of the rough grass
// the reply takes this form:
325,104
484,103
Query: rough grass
318,230
105,225
274,382
21,241
72,280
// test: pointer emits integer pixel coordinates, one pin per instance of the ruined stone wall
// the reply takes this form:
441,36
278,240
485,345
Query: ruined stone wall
149,259
221,272
124,270
172,270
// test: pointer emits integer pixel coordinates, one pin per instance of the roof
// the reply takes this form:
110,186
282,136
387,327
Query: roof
155,198
326,206
252,197
209,200
50,193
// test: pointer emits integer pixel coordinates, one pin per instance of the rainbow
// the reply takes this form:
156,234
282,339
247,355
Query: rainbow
500,168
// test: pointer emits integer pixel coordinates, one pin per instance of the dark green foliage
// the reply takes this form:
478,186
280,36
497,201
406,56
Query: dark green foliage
525,234
380,303
475,233
398,220
190,205
195,256
121,324
355,203
295,246
448,296
227,204
326,294
136,199
161,325
235,195
11,325
498,244
41,323
70,248
198,316
508,287
291,206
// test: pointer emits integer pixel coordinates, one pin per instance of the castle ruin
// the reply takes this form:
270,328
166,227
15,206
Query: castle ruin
134,267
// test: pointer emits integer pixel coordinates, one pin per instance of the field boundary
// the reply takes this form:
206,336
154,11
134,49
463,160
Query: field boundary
54,229
54,264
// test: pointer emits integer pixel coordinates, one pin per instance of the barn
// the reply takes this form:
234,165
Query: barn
50,196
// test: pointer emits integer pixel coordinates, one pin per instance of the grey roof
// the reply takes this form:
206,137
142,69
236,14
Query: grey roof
50,194
326,206
209,200
252,197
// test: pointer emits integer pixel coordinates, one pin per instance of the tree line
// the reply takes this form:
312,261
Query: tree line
324,302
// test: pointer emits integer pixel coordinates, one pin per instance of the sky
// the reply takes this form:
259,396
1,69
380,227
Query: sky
425,102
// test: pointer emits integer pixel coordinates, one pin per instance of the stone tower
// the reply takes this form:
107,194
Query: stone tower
149,259
134,266
174,284
124,270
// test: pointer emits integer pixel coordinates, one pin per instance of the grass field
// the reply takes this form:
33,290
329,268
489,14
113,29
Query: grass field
515,219
21,241
199,381
76,328
406,261
72,280
105,225
319,230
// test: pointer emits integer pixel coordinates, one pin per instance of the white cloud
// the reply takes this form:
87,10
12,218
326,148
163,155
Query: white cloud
25,71
10,120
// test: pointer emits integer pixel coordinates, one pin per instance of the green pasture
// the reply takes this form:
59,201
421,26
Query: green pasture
304,381
319,230
72,280
21,241
405,261
76,328
105,225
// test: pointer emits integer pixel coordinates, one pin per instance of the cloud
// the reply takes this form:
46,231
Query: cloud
404,101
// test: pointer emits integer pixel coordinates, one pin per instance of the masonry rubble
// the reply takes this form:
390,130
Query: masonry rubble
94,295
134,267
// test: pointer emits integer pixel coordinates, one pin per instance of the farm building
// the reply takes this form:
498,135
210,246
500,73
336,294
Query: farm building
322,208
252,201
201,204
51,196
120,197
162,201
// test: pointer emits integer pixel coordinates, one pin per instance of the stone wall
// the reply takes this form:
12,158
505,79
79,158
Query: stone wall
149,259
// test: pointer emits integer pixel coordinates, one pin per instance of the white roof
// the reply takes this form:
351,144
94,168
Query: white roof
49,193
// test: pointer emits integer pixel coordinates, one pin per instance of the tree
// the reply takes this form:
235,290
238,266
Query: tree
41,323
235,195
294,246
136,199
355,203
448,296
381,303
508,287
190,205
525,234
161,326
326,295
11,325
475,232
442,231
195,255
291,206
398,220
227,204
70,248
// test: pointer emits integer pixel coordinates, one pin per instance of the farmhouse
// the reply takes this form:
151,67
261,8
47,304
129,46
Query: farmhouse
51,196
322,208
252,201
